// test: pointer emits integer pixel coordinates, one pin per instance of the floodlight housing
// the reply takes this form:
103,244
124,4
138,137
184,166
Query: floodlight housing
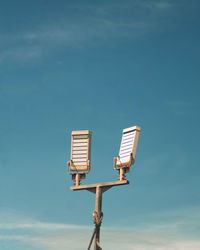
128,148
80,152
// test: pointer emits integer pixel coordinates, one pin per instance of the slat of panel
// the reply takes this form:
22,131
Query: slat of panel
81,163
126,144
79,157
79,152
128,139
125,151
128,135
80,137
80,140
122,158
79,160
80,144
125,155
125,147
80,148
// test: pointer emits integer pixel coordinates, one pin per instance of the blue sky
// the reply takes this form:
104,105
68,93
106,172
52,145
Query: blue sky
102,66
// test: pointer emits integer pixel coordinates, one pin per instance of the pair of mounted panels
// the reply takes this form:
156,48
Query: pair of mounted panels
81,150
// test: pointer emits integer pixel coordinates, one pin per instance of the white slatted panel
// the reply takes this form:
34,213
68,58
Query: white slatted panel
126,146
80,150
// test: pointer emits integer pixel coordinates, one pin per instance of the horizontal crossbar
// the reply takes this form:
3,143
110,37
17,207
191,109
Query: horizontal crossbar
105,186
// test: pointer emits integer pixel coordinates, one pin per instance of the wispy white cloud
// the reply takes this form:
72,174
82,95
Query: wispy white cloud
40,226
109,23
47,39
152,238
160,235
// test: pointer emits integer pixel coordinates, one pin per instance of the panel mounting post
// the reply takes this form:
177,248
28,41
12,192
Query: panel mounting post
98,189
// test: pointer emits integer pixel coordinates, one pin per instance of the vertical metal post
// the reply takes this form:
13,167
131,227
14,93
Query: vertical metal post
77,180
98,210
98,189
122,174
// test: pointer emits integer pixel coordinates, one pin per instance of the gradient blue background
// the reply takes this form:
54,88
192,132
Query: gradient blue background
102,66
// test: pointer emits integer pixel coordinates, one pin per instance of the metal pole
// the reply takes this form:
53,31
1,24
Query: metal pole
122,174
77,180
98,189
98,211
